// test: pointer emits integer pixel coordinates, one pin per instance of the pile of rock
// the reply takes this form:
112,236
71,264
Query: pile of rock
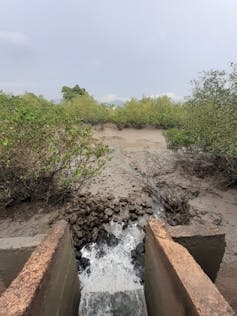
87,213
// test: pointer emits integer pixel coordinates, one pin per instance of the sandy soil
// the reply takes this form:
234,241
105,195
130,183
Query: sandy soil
133,154
27,219
136,157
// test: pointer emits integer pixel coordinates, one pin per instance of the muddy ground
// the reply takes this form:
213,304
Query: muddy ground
140,160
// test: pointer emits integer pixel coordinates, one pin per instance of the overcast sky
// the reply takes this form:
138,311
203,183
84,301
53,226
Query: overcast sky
114,48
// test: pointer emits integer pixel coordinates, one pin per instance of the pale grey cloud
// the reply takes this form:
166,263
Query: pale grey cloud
114,98
94,62
110,98
14,38
172,95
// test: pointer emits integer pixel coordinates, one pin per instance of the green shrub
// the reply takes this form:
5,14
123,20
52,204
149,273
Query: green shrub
210,119
87,110
42,150
177,138
158,112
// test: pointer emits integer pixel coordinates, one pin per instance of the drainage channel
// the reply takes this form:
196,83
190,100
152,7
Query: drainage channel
112,274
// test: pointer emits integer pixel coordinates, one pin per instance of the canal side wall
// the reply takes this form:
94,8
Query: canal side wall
174,282
48,283
206,244
14,252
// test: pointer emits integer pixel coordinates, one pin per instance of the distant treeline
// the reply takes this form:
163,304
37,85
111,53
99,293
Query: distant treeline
159,112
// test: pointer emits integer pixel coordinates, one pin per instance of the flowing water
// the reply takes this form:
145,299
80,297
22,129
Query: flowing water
110,286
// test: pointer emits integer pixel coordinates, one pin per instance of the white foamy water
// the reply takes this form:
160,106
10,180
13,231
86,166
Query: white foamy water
112,287
113,272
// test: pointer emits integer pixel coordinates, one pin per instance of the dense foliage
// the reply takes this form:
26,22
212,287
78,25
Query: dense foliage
158,112
42,150
87,110
70,93
210,122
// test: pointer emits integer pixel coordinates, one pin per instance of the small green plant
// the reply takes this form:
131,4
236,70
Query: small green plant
178,138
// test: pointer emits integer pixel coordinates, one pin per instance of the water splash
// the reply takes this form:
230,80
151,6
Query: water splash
110,267
111,275
126,303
